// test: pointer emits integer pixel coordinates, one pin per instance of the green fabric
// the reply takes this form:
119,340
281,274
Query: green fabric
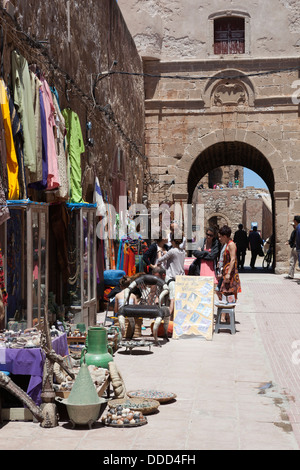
75,149
23,100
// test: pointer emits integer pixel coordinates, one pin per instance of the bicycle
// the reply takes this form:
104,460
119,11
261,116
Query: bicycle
267,258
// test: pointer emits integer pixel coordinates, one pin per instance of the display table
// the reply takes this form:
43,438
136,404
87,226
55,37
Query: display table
30,361
76,339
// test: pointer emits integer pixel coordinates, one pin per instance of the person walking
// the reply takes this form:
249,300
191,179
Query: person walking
255,243
293,253
241,240
297,228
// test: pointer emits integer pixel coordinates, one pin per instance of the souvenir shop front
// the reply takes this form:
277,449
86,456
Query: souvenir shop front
47,230
24,242
81,285
27,266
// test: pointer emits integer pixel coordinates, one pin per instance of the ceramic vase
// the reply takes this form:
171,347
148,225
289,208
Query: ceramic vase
96,350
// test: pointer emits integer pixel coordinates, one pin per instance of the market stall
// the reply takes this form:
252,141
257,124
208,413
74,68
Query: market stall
19,358
81,293
24,243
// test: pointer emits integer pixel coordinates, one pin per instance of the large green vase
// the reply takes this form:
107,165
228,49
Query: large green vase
96,350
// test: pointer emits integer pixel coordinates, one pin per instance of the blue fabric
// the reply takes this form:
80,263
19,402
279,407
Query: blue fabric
113,276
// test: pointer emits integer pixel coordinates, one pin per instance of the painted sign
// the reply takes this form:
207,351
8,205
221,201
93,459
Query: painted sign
194,306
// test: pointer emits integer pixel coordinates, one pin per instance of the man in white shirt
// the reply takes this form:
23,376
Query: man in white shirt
174,259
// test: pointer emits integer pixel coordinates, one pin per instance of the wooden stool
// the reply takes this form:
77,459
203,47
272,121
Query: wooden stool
225,309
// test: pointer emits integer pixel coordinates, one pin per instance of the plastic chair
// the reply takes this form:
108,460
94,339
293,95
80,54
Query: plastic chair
153,293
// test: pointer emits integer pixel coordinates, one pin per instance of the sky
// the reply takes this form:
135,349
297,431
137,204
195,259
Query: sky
252,179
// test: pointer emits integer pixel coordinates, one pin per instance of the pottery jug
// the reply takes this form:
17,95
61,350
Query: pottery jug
96,350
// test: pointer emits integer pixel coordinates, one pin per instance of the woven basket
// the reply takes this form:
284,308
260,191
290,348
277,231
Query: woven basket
161,397
145,406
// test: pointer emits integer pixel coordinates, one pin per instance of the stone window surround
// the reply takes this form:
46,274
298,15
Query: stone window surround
223,14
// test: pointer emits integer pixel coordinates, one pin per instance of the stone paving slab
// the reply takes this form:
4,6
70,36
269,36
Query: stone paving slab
236,392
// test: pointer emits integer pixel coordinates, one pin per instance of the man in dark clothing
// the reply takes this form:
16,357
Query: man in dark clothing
241,240
255,242
297,228
154,252
293,254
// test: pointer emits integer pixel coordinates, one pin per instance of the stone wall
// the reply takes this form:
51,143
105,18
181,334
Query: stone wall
235,206
169,29
78,41
188,133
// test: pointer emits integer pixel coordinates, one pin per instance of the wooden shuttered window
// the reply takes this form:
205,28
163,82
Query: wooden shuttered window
229,35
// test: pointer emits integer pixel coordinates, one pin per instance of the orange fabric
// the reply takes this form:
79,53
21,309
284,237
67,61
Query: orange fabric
11,156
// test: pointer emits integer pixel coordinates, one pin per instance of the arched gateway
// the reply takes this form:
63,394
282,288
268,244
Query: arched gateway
248,150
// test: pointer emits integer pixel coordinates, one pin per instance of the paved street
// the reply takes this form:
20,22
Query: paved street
235,392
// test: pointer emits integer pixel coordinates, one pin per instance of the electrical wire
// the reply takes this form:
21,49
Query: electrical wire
191,77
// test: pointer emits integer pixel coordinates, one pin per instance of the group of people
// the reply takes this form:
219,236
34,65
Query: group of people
216,257
229,185
253,241
219,256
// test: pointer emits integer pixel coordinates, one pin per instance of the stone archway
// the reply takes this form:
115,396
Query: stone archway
247,149
230,153
216,220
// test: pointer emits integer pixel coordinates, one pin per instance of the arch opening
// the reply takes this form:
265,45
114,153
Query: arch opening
230,153
251,205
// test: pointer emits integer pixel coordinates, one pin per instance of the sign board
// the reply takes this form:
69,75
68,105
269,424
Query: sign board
194,306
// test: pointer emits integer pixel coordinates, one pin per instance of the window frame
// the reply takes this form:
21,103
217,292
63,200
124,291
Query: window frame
211,31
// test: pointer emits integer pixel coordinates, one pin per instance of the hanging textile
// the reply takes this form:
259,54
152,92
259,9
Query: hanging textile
98,199
17,133
4,212
11,157
130,254
3,165
62,162
75,149
14,263
35,89
53,180
24,102
42,184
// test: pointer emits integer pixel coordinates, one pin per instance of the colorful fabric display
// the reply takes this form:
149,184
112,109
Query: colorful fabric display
75,149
